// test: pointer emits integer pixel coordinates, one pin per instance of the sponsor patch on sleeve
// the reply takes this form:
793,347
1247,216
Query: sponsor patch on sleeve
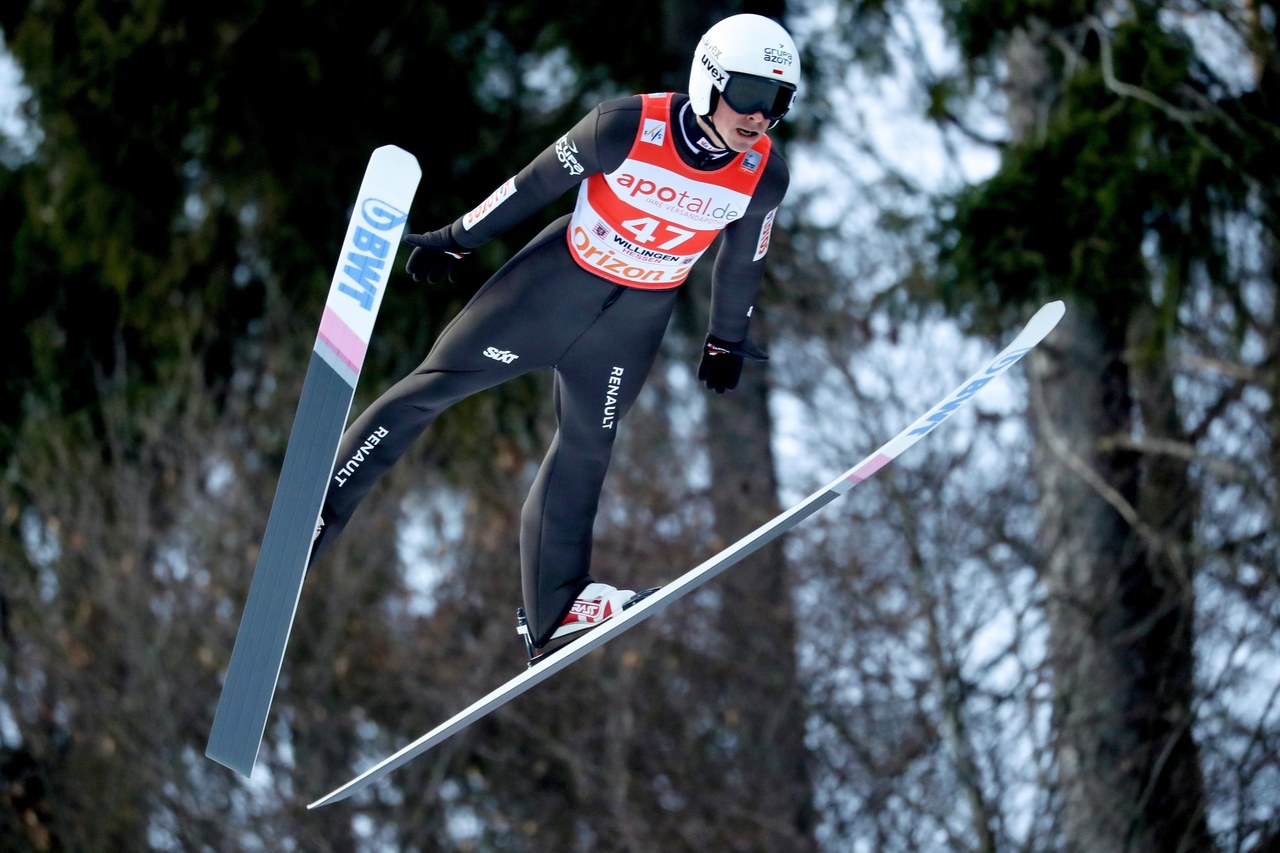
501,194
766,229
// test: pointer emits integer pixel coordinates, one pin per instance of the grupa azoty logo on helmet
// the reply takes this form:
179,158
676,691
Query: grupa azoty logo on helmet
779,56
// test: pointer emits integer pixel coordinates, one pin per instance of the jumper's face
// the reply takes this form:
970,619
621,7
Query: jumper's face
739,131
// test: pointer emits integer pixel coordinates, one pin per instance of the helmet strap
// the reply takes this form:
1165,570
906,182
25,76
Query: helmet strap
715,131
709,122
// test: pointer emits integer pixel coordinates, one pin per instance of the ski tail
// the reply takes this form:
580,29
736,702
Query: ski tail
355,294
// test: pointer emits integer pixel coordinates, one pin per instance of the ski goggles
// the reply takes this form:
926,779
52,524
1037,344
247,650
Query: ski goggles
747,95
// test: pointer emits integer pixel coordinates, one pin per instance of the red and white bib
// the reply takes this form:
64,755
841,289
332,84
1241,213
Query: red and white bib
645,223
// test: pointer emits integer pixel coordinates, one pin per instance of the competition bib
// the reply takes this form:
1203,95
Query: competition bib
644,224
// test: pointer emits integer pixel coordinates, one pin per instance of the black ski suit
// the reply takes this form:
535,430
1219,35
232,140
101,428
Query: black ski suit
542,309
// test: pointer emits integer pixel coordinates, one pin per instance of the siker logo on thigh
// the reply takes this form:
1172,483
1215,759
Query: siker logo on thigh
505,356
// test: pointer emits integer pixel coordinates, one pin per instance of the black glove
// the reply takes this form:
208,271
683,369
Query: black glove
721,364
435,254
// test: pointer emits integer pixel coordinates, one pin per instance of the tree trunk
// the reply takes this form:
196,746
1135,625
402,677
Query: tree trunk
765,703
1120,605
1115,525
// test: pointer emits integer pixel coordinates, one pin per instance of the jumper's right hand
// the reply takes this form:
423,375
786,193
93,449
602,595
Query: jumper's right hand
434,256
721,364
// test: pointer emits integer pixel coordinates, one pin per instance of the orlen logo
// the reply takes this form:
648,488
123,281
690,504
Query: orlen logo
766,230
364,265
487,206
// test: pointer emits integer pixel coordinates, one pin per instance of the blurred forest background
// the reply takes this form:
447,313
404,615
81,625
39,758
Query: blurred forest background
1051,627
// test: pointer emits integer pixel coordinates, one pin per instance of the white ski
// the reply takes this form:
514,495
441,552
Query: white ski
1036,329
355,294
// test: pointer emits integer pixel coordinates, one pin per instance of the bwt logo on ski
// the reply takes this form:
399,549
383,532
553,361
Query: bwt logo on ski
341,475
364,265
944,411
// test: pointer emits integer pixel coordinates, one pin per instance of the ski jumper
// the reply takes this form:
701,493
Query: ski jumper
589,297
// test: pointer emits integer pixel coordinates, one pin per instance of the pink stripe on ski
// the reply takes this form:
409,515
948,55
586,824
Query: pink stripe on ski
865,470
342,340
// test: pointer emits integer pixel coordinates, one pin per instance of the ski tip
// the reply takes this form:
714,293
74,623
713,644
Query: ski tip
392,151
1044,320
394,155
1041,324
1053,311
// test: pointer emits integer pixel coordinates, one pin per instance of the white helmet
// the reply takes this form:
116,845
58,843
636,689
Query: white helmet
751,61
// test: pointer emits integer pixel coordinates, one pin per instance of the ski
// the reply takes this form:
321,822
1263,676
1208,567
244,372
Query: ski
355,294
1032,334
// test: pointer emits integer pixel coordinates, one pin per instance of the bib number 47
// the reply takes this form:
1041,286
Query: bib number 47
645,231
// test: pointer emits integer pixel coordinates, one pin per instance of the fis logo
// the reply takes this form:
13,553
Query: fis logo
654,132
505,356
751,161
363,268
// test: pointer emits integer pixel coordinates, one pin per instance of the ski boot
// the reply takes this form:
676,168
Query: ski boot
594,606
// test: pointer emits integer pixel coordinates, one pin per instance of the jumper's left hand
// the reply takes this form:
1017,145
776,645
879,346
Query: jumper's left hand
721,364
